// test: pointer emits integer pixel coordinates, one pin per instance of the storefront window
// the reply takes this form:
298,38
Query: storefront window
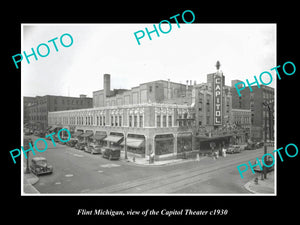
184,142
164,144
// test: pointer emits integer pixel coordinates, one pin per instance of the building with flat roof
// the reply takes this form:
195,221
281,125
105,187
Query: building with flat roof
261,116
36,111
165,118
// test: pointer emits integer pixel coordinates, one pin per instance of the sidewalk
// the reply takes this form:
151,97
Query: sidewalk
28,181
162,162
263,187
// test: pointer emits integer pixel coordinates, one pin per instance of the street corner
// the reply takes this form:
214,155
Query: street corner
136,161
29,180
259,186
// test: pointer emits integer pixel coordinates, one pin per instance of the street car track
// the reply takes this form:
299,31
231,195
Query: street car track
175,181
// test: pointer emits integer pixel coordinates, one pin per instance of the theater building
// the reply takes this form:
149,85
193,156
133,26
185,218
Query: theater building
167,118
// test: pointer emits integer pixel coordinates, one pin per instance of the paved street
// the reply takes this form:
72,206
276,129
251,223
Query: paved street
80,172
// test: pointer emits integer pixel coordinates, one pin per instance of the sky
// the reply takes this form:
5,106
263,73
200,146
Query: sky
186,53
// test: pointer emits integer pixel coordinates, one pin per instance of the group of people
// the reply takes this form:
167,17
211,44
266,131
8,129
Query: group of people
215,151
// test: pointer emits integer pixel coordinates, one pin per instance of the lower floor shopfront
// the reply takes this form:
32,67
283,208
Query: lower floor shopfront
161,143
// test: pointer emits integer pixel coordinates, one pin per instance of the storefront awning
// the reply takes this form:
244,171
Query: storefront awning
113,138
52,128
77,134
133,142
88,134
206,138
99,137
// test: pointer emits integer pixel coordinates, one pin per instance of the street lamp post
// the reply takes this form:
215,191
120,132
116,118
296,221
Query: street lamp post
268,110
125,145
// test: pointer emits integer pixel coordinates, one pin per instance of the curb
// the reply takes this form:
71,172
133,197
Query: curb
247,186
178,161
28,183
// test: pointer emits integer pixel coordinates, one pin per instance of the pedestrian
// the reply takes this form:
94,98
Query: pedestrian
224,151
152,157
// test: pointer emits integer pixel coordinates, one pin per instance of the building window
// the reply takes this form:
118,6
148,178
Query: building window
103,120
141,121
158,120
135,121
150,89
120,121
130,121
100,122
170,121
116,121
164,121
112,121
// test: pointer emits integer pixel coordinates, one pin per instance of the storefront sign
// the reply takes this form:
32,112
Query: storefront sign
217,90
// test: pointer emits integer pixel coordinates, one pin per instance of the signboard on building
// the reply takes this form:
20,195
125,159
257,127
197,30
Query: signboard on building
217,92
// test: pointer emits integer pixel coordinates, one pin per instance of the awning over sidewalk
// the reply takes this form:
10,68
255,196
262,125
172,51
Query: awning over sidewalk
133,142
113,138
77,134
54,127
88,134
206,138
99,136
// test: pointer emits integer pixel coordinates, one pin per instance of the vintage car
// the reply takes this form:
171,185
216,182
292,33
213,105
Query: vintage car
268,161
250,146
93,148
27,131
80,145
233,149
40,166
111,153
259,144
72,142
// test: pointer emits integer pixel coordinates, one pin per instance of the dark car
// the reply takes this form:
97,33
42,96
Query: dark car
250,146
233,149
40,166
259,144
80,145
111,153
268,161
72,142
93,148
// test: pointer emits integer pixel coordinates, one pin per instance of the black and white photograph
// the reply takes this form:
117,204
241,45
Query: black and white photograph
160,117
136,115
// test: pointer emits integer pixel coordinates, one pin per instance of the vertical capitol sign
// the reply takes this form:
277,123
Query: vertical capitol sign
217,90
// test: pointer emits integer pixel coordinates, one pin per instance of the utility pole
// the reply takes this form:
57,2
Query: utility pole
267,110
265,140
125,145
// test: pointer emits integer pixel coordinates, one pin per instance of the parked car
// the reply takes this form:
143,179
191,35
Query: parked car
233,149
72,142
80,145
40,166
93,148
259,144
27,131
111,153
268,161
250,146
